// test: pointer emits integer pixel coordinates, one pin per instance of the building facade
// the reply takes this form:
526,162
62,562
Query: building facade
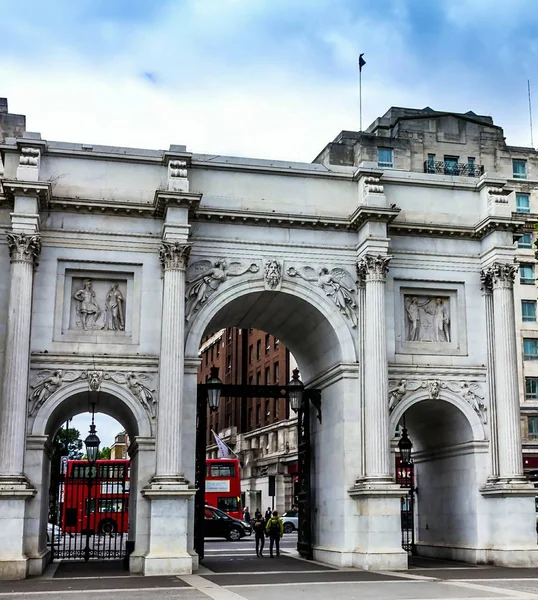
259,430
386,267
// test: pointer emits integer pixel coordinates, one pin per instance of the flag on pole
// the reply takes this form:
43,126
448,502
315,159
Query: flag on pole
224,451
362,62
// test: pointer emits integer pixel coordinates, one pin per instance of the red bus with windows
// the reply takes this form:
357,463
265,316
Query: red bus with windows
95,497
223,485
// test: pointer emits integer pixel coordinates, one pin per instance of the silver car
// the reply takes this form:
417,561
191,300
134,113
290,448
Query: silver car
290,520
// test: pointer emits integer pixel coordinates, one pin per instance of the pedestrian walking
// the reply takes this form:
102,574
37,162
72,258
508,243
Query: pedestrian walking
246,515
259,532
268,513
275,530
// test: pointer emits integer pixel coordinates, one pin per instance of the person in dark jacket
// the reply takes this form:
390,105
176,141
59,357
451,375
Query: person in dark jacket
246,515
268,513
259,532
275,530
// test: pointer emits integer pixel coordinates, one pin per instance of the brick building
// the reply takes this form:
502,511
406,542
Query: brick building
259,430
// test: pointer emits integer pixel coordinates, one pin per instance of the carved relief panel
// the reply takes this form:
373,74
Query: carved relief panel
97,303
430,318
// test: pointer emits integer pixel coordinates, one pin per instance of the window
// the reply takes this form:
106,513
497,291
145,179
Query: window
251,379
221,470
431,163
528,310
229,363
258,413
206,353
259,378
531,388
212,353
229,333
523,204
526,274
384,158
250,417
267,375
276,344
451,165
218,349
519,169
114,505
267,343
258,349
250,353
228,504
276,372
525,241
470,165
532,423
530,349
267,409
277,409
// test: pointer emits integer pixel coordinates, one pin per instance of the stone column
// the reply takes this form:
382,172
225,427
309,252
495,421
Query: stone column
487,291
506,377
174,257
15,489
361,293
376,413
24,250
166,547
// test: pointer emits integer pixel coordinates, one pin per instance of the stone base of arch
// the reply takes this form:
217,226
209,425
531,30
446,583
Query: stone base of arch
14,494
168,530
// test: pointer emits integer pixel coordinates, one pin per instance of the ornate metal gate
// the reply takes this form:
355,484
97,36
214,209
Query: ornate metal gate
89,512
310,396
405,476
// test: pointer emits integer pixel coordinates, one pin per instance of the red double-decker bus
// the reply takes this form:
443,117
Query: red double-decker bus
95,497
223,485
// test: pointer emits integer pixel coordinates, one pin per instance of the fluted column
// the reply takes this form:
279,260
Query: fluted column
487,291
24,251
506,378
174,257
376,414
361,288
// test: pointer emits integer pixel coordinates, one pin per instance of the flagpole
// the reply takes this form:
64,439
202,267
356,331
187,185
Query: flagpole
360,98
530,109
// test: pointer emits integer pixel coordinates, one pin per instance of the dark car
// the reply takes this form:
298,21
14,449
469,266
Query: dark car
219,524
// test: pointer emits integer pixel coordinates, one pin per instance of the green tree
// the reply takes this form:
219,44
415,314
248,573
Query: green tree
104,453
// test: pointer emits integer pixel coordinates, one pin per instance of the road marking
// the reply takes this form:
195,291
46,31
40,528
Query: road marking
72,592
210,589
491,589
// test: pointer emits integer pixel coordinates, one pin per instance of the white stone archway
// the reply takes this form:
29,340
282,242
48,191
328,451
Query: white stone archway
451,464
69,400
325,347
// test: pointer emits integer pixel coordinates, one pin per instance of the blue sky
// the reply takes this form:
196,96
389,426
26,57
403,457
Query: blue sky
267,78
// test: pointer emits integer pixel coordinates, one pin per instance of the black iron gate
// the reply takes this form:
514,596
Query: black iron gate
405,476
304,541
89,512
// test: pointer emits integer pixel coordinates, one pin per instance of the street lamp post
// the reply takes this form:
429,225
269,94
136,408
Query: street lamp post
295,391
91,442
214,389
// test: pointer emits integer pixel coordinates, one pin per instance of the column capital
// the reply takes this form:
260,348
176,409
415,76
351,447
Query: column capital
373,268
24,247
486,281
174,255
502,275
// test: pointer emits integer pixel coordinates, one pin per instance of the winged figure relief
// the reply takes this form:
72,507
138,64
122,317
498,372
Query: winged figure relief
48,382
204,277
336,283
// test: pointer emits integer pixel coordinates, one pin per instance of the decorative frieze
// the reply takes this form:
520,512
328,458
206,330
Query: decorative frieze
373,185
45,383
337,285
174,255
205,277
29,157
23,247
468,391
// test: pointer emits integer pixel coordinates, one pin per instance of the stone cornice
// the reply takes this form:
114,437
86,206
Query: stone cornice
48,360
40,189
372,213
164,199
479,231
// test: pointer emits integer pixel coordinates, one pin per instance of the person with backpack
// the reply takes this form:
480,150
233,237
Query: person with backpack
259,532
275,530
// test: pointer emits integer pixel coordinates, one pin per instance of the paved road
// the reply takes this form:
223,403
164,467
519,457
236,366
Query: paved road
231,571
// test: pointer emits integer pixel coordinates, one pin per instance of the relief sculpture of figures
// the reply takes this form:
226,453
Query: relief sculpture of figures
204,277
88,310
337,284
141,392
42,391
428,319
114,319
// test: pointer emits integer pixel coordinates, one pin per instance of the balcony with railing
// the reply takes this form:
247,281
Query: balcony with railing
445,167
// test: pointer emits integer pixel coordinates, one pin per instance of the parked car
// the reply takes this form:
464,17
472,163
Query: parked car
52,528
218,524
291,521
